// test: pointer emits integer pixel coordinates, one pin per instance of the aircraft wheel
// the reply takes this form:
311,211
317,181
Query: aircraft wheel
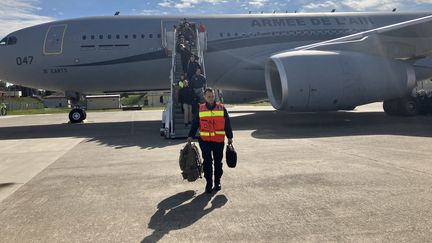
85,114
391,107
409,107
77,115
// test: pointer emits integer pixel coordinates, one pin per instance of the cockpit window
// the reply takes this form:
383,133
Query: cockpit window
3,41
10,40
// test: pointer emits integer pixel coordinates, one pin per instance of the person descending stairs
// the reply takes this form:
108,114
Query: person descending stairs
187,57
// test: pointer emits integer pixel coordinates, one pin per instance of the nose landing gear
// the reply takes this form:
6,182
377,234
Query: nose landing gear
77,115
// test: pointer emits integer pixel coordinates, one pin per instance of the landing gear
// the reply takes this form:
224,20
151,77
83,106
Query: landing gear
77,115
401,107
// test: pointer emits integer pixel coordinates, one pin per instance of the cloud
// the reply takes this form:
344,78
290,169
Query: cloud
18,14
258,3
361,5
185,4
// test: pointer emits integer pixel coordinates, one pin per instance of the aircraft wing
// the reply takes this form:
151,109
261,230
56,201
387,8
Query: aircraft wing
409,40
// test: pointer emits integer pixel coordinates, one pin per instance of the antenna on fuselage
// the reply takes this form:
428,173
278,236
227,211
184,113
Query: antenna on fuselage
117,13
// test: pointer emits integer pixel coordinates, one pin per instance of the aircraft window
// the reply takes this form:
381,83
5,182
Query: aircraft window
101,37
228,34
221,34
126,36
142,36
117,36
3,41
159,36
84,37
134,36
236,34
109,36
12,40
92,37
150,35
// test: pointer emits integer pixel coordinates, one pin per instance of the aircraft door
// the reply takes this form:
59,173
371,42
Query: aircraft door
167,30
53,44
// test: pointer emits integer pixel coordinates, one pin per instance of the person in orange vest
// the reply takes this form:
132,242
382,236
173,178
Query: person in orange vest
214,124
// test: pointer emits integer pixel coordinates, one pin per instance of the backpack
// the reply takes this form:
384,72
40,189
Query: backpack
190,162
231,156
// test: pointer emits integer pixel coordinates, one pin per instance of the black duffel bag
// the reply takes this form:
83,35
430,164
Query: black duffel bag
231,156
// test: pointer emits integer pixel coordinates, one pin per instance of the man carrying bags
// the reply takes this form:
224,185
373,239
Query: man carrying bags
213,122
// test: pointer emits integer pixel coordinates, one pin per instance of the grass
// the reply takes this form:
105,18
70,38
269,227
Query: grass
39,111
133,100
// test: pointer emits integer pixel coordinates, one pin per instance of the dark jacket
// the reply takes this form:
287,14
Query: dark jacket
198,81
186,96
183,49
192,67
196,123
188,33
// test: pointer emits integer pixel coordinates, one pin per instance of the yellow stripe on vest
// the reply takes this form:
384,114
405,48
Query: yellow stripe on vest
211,134
211,113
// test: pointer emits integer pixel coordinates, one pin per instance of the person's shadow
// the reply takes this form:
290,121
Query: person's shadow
172,215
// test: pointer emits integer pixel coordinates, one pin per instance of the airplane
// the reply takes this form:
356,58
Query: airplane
302,62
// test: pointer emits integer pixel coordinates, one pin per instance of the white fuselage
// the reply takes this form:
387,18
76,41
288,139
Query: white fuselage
118,54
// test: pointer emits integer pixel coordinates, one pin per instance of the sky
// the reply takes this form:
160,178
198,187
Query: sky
17,14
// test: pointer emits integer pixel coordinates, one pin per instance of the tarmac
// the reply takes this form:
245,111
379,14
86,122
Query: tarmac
356,176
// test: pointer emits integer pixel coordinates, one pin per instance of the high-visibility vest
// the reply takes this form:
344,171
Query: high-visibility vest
181,83
212,123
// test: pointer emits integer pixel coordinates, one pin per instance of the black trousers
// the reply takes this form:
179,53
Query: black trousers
207,149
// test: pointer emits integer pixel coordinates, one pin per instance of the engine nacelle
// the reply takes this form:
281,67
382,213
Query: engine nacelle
334,80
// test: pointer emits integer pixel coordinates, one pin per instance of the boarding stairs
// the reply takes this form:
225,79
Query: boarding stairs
173,118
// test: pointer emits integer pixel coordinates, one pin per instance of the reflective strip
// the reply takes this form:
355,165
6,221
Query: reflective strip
208,134
211,113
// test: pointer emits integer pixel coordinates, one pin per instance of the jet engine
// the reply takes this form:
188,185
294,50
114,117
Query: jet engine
311,80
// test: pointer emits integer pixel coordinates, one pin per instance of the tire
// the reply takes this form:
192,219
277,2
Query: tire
409,107
3,111
391,107
76,115
85,114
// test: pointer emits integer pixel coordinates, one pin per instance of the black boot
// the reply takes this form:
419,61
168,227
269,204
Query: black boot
218,186
209,185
